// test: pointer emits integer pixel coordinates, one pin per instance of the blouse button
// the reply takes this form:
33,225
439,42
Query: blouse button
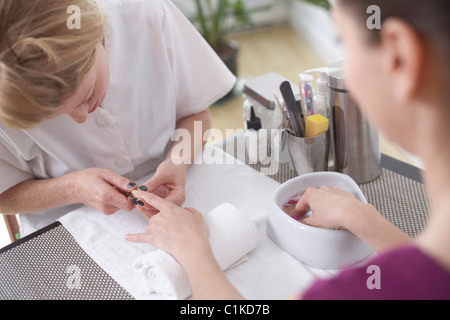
120,163
101,121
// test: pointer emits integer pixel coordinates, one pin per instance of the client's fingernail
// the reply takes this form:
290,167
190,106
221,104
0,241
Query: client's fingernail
131,185
143,188
135,200
139,202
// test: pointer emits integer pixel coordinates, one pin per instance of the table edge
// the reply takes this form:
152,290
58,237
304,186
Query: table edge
402,168
30,236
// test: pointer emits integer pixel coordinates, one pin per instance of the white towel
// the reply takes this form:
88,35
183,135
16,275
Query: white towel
231,235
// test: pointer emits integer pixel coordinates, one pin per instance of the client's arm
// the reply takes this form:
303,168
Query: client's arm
333,208
183,233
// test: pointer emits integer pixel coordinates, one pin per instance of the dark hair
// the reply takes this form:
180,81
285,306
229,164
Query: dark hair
428,17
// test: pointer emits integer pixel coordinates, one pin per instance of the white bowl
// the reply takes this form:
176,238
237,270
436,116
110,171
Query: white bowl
316,247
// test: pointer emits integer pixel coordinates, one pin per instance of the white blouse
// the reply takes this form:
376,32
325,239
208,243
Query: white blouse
162,70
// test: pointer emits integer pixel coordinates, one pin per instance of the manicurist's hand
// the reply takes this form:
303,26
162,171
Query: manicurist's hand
182,232
168,183
101,189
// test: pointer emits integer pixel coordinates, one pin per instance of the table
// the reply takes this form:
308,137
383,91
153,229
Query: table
44,265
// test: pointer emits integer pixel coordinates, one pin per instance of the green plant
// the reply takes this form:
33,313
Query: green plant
321,3
216,19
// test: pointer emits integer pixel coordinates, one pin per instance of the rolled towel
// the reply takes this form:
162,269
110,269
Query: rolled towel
231,236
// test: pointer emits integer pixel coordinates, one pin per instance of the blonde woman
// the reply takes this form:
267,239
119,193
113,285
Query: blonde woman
85,111
399,75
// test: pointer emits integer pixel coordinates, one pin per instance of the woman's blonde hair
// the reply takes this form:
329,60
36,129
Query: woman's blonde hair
42,60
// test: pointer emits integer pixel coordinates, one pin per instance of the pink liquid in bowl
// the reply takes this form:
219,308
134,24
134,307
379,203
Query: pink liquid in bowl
289,206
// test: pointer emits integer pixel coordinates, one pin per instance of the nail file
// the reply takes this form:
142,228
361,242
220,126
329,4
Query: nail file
295,113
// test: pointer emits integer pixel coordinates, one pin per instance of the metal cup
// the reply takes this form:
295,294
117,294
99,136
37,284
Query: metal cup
309,154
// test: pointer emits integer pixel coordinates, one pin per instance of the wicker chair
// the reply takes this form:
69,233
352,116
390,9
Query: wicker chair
13,227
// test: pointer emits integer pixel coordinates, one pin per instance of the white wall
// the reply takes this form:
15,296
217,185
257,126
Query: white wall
315,25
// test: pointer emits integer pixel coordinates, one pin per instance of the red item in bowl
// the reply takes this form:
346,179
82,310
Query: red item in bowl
289,206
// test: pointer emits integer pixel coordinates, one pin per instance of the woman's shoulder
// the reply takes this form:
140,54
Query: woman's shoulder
405,272
13,139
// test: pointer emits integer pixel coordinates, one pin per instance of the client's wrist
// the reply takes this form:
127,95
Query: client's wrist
196,257
357,220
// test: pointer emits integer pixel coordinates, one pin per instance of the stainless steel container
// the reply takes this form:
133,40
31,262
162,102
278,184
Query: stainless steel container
356,141
309,154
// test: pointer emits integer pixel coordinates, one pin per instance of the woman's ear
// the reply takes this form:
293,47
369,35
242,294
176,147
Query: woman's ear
403,58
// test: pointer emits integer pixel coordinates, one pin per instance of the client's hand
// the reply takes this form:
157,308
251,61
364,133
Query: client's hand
334,208
184,234
331,208
168,183
181,232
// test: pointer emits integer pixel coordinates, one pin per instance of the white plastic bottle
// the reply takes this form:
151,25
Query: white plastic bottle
321,102
307,94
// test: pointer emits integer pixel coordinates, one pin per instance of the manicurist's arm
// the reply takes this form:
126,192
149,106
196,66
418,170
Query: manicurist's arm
169,179
96,187
186,125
